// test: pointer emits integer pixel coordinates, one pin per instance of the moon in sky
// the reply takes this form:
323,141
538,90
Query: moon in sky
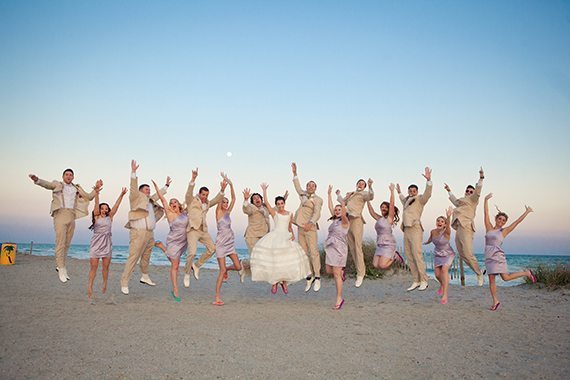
229,154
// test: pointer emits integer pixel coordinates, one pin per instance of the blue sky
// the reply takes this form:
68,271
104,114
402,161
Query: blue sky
345,89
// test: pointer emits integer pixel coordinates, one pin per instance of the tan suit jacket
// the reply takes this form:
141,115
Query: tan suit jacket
414,207
138,202
355,202
82,198
196,215
257,220
310,208
465,207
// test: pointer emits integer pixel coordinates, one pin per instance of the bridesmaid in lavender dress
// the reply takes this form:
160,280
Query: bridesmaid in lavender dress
495,260
443,252
225,241
386,252
176,241
101,246
336,247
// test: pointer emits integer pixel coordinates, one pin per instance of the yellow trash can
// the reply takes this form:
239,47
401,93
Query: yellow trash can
8,254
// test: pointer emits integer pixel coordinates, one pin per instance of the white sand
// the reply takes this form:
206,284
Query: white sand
49,330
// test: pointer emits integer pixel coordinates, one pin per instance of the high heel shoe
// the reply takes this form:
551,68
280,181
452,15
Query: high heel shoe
177,299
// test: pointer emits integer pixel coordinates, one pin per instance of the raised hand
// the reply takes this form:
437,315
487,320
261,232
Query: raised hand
449,212
33,177
246,193
446,187
194,174
528,209
481,173
330,189
168,181
264,186
391,187
223,185
398,189
370,182
488,196
123,191
427,173
286,195
294,168
337,192
134,166
225,177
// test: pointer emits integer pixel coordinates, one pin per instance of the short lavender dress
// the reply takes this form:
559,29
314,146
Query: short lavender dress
176,241
225,241
495,260
385,241
443,253
101,245
336,245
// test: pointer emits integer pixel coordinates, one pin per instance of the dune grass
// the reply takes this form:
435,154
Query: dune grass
552,276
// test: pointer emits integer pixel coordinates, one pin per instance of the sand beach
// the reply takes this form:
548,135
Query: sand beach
49,329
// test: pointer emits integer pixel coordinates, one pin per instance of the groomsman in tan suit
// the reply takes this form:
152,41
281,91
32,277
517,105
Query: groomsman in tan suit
355,202
69,202
197,230
145,212
306,219
463,223
257,218
413,230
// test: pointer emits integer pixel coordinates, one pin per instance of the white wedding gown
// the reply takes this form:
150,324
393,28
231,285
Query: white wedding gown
275,257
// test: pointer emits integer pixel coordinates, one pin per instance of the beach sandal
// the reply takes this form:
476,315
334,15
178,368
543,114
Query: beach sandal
218,303
225,278
339,306
532,276
439,291
443,301
284,288
274,289
399,258
343,274
495,307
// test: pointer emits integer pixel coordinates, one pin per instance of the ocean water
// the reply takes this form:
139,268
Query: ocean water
121,252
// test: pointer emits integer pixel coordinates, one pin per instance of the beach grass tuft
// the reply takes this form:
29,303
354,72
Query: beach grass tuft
552,276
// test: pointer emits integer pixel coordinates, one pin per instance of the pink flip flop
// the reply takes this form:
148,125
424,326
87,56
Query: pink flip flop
532,277
218,303
495,307
339,306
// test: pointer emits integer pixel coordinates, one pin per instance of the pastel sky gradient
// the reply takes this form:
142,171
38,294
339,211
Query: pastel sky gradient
348,90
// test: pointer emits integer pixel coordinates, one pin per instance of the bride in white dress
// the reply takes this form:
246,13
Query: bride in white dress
276,258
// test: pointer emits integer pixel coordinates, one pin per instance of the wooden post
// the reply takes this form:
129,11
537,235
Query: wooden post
31,247
461,272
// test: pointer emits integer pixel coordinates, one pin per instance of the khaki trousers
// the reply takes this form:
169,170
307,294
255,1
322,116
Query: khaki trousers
308,241
464,243
355,231
195,236
140,248
413,252
64,226
250,242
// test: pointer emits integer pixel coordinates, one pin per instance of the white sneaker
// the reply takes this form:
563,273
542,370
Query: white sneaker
359,280
317,285
125,290
145,279
423,285
62,273
480,279
186,280
308,285
196,271
414,286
